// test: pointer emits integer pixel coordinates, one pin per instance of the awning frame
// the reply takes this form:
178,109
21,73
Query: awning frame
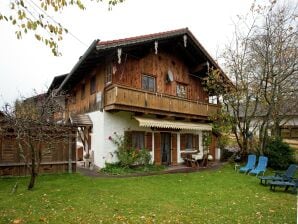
171,124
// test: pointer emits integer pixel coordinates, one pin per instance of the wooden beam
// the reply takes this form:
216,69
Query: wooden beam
199,68
117,108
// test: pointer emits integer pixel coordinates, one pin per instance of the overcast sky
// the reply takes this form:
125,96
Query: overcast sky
26,64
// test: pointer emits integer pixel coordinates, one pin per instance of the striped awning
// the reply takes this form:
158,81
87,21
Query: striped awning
159,123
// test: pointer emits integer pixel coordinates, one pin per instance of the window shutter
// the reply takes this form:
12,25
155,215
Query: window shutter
128,138
182,141
148,141
157,153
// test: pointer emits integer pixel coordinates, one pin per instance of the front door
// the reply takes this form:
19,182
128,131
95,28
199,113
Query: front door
165,148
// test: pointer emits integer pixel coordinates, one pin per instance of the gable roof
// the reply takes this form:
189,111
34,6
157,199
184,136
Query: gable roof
191,49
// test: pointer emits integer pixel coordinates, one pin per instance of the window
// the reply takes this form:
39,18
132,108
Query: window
213,99
82,91
148,83
138,140
181,90
188,143
109,72
93,85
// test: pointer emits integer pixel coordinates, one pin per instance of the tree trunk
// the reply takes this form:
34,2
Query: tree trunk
32,180
33,168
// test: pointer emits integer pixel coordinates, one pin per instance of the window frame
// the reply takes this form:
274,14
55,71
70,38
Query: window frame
189,142
138,135
148,77
178,90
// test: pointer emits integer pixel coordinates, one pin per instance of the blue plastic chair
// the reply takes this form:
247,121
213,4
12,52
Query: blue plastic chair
261,167
251,162
286,176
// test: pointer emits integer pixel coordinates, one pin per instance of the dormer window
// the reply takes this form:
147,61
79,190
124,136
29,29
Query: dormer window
148,83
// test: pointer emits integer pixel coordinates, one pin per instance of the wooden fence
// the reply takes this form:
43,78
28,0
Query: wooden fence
61,157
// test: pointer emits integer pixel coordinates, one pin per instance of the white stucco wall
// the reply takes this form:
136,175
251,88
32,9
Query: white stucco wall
105,124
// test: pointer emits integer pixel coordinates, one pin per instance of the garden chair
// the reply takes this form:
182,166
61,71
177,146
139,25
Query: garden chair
286,176
251,162
293,183
261,167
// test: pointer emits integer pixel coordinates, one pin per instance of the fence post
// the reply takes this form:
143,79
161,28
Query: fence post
70,153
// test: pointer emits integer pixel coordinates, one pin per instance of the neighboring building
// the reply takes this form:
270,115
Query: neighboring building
287,117
149,88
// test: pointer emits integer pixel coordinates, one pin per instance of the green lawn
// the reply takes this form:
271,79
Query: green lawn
221,196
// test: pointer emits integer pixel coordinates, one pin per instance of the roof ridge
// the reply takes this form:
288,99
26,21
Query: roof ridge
138,37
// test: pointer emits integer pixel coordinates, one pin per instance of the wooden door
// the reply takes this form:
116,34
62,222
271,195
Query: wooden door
165,148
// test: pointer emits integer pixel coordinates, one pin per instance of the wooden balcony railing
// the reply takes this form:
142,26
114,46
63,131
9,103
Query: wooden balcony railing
125,98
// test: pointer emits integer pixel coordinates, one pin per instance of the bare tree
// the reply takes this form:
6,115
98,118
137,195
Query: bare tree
31,122
275,50
262,63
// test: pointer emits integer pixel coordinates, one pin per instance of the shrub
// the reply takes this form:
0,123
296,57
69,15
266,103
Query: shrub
128,156
280,154
226,155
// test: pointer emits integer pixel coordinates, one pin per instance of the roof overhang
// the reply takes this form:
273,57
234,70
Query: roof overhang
159,123
80,120
97,52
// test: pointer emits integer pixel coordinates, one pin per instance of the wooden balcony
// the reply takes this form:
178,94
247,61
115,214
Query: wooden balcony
129,99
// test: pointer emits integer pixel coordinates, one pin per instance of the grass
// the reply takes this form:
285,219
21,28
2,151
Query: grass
221,196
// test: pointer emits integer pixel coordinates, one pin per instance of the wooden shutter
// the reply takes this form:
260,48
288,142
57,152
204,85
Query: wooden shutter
213,145
195,142
148,141
128,138
174,148
182,141
157,159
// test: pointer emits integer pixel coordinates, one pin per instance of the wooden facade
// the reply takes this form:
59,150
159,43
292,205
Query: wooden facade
125,92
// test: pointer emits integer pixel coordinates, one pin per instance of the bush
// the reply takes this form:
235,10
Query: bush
280,154
226,155
128,156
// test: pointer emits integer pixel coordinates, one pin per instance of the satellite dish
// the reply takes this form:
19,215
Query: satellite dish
170,76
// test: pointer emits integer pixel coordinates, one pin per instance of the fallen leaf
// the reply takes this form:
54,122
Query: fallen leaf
17,221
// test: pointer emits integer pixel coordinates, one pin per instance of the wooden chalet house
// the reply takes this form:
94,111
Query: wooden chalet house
149,87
